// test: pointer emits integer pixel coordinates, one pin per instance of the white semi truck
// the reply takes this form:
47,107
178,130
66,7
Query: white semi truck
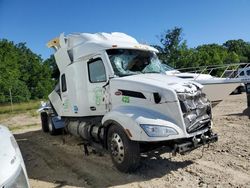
112,94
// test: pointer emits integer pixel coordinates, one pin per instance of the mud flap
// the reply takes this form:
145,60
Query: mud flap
58,122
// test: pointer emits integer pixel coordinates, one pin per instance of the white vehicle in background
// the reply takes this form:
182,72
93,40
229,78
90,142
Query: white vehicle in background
12,168
244,74
113,94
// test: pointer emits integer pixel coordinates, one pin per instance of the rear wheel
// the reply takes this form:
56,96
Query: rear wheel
45,122
125,153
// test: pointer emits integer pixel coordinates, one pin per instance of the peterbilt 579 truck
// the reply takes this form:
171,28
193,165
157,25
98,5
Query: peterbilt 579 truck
113,92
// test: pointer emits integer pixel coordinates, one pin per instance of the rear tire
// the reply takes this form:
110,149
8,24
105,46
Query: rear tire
45,122
125,153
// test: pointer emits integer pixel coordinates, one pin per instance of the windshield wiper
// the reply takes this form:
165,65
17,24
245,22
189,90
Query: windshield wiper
121,75
151,72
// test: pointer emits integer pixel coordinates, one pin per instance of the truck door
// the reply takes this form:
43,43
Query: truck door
97,78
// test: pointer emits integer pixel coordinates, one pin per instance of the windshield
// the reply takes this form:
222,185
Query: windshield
128,62
167,67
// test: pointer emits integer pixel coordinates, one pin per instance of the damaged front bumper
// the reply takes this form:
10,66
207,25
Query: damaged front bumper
192,143
180,146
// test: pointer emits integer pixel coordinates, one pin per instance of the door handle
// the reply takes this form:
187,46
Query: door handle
93,108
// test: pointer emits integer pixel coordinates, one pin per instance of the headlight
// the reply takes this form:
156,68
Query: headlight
18,180
158,131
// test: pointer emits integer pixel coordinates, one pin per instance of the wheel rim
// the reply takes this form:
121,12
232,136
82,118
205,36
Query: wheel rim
117,148
50,125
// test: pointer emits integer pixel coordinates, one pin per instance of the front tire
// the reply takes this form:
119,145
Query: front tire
45,122
125,153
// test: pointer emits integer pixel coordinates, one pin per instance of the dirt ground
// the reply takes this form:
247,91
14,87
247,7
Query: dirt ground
50,163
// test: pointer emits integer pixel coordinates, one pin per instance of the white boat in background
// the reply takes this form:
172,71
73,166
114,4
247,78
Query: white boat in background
216,88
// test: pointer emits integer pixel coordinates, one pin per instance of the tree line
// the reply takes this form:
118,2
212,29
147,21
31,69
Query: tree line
22,73
175,52
27,76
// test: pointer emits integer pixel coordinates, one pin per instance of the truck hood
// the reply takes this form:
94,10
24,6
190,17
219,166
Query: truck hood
164,82
9,158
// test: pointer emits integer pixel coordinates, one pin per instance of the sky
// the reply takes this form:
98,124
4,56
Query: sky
203,21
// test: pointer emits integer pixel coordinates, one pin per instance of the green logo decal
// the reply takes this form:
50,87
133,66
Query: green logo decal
66,104
125,99
98,95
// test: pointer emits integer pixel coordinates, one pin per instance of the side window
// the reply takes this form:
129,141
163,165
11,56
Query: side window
248,72
97,71
63,82
242,73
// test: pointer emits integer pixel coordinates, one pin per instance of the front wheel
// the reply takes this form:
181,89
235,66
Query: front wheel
125,153
45,122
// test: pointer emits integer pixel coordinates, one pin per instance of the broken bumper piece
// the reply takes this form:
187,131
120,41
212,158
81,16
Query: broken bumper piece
194,143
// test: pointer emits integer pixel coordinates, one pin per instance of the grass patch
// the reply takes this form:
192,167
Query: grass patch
19,107
4,116
14,128
34,113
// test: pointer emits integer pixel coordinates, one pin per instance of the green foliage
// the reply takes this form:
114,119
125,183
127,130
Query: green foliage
175,52
51,63
172,46
23,73
239,47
